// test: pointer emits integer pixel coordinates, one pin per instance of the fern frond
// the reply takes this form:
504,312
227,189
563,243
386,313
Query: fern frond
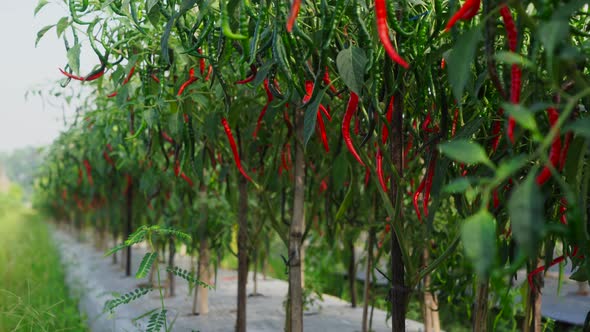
172,232
157,321
137,236
125,298
146,264
186,275
115,249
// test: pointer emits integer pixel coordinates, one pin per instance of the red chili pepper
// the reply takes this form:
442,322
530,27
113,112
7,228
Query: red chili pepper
496,130
323,186
209,71
64,194
167,138
496,198
455,119
269,98
185,117
191,79
91,77
125,81
515,72
88,171
250,78
155,78
381,17
511,32
326,112
554,153
187,179
108,159
465,13
308,91
234,148
417,196
367,176
177,167
201,63
380,170
563,211
293,14
389,117
443,63
322,129
350,110
328,81
428,185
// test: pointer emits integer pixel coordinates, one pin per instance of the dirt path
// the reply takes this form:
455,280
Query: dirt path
95,278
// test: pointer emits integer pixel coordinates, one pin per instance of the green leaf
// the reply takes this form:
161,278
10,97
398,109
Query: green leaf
351,63
42,33
458,185
581,274
507,167
512,58
146,264
74,58
522,115
465,151
478,234
460,60
40,6
115,249
580,127
551,33
151,4
62,24
346,202
525,208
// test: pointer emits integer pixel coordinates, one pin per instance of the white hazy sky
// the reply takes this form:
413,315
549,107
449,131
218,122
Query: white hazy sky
24,67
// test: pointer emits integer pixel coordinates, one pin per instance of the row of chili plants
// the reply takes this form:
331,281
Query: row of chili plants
441,132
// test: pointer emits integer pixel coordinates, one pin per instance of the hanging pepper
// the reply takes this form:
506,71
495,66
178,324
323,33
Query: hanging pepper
465,13
417,196
234,148
125,81
90,77
293,14
381,17
389,117
328,81
88,171
167,138
455,119
554,153
251,77
350,110
380,170
428,184
187,179
496,130
269,98
191,79
515,72
322,129
201,62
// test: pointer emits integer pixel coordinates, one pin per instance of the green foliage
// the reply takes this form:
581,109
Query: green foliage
33,293
186,275
146,264
157,321
135,294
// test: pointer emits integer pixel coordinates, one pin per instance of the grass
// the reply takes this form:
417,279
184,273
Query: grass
33,294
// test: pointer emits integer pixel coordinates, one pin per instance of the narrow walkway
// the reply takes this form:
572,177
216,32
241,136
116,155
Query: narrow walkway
96,279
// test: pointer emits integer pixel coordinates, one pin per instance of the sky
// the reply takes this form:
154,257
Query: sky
23,67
